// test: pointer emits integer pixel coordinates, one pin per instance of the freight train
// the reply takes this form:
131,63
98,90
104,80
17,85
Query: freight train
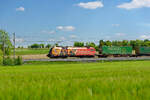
104,51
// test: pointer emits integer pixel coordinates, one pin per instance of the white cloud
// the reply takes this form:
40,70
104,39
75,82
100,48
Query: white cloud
115,25
60,27
135,4
145,36
73,36
48,32
120,34
91,5
20,9
66,28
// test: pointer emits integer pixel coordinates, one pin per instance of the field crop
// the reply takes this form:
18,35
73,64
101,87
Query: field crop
128,80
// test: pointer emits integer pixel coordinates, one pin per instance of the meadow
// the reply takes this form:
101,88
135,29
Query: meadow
129,80
27,51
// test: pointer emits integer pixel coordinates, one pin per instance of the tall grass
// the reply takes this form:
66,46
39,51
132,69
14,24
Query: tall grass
77,81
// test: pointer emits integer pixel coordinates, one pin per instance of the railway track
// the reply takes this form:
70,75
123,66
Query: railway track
91,59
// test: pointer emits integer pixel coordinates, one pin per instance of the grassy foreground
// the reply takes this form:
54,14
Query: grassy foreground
128,80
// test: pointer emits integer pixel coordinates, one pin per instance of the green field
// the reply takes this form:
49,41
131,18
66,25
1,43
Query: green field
26,51
128,80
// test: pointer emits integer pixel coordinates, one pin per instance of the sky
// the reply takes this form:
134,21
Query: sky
75,20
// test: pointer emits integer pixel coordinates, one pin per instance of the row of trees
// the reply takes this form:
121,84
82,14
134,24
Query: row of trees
40,46
133,43
88,44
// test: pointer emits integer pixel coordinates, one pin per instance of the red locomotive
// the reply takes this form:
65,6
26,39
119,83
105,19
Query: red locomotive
72,52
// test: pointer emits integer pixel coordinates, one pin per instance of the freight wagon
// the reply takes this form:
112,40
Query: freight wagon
116,51
143,51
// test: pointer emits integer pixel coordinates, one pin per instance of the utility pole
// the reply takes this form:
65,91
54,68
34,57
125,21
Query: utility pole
14,40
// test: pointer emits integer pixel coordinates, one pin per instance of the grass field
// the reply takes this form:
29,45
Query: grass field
26,51
128,80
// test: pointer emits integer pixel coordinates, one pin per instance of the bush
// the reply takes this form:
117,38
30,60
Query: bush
18,61
8,61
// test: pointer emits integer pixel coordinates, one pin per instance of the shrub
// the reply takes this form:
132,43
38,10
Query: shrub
8,61
18,61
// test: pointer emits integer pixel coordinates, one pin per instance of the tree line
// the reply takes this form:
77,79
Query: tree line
39,46
133,43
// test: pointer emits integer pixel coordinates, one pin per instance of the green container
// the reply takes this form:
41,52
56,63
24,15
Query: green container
116,50
144,50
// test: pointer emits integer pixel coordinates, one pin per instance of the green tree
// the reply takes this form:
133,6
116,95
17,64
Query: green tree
4,38
41,45
133,44
48,45
114,43
35,46
101,43
108,43
90,44
147,43
56,44
78,44
146,40
125,43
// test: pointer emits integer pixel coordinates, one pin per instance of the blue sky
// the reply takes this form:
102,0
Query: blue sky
76,20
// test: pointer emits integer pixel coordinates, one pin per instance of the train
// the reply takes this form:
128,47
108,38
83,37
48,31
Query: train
104,51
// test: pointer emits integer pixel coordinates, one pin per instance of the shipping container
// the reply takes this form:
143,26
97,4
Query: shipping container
144,50
116,50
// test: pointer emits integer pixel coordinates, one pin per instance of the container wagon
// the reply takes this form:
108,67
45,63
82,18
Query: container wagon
116,51
143,51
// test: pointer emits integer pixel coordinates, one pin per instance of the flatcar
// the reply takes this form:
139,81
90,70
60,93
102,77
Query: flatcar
64,52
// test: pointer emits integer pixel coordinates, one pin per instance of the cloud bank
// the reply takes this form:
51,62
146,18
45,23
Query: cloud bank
135,4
